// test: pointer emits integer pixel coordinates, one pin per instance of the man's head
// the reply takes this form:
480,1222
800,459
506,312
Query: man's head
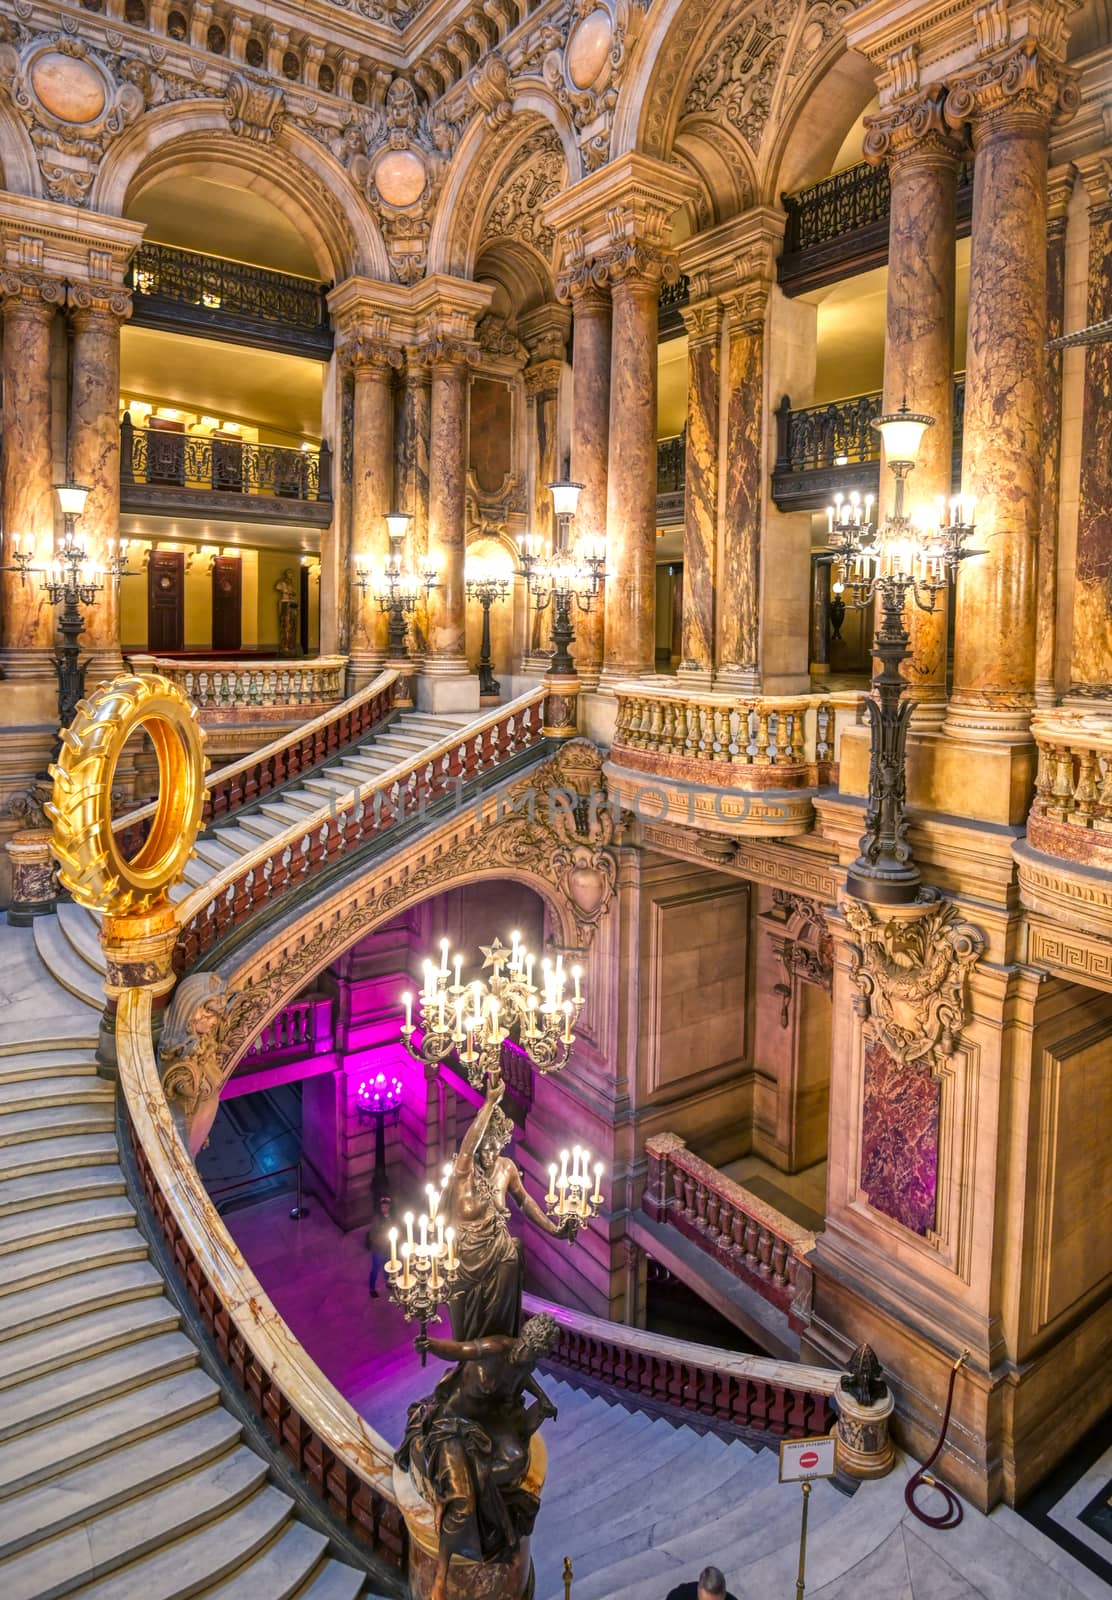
385,1204
712,1584
539,1337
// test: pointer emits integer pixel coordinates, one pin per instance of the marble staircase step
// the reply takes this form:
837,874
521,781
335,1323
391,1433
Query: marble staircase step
216,853
76,1293
64,964
281,812
280,1571
23,1065
93,1114
97,1548
336,1582
262,825
58,1153
46,1190
192,1565
575,1491
45,1224
235,842
83,932
327,787
75,1439
47,1510
29,1266
138,1350
26,1094
64,1026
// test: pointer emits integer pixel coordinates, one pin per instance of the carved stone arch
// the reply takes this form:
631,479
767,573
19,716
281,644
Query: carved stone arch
527,277
820,103
499,535
306,184
651,95
480,164
722,167
19,166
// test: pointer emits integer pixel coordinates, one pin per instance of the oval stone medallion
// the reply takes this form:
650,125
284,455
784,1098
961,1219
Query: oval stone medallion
400,177
589,47
70,89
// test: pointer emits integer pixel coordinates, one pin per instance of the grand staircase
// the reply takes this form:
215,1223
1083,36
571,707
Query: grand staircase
69,944
122,1476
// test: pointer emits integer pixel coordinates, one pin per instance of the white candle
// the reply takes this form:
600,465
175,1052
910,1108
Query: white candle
458,1034
567,1021
392,1264
450,1239
431,1196
563,1169
407,1002
444,957
494,1034
550,1197
430,981
597,1196
440,1235
408,1220
529,971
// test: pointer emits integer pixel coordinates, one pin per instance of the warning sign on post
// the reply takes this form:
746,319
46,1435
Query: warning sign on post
804,1459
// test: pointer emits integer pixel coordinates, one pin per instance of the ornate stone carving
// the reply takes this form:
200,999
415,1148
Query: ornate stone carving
911,127
1027,80
910,964
31,288
539,173
492,89
89,300
370,347
191,1047
801,945
496,338
584,66
737,77
255,110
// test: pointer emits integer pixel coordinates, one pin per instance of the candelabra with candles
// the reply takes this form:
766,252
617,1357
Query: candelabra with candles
472,1020
486,586
571,1192
396,590
562,577
378,1100
912,557
420,1275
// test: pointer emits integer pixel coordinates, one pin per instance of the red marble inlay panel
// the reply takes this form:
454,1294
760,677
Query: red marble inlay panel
899,1138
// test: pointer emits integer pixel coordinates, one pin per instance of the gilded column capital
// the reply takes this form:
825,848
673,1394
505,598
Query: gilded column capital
634,263
1095,173
1059,191
746,307
585,286
443,352
913,128
1021,88
368,351
33,293
89,303
703,321
543,378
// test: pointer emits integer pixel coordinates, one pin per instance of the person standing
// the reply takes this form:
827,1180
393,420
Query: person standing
378,1239
711,1586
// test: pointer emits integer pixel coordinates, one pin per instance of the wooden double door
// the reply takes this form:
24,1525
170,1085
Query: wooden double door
166,603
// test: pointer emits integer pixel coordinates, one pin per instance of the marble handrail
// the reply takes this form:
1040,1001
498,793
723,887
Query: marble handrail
223,689
1071,814
753,1240
344,822
348,1463
729,740
283,758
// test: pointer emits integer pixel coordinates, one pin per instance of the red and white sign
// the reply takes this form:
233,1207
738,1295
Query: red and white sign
803,1459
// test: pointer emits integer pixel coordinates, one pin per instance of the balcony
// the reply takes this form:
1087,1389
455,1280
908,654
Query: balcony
671,472
182,291
673,297
839,227
193,475
823,449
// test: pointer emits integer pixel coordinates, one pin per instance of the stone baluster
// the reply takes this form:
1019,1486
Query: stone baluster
372,360
97,312
923,157
1010,99
738,649
703,322
1091,654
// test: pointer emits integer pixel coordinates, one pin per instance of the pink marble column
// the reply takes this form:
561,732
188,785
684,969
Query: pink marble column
636,273
412,474
590,446
738,629
26,616
449,363
923,158
1059,190
372,361
1010,103
94,455
1091,656
700,504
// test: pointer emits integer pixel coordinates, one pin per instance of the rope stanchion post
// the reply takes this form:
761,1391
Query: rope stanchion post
568,1576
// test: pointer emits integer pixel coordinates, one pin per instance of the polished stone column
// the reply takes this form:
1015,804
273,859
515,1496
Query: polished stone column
820,616
923,158
738,643
372,362
26,616
542,391
590,445
1091,662
96,316
412,474
636,272
703,322
1010,103
449,364
1060,188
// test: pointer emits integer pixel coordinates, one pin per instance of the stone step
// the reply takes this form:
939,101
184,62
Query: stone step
192,1565
83,933
235,842
33,1265
46,1379
357,773
95,1114
300,802
64,964
75,1439
45,1224
70,1026
46,1510
73,1295
327,787
280,1571
45,1190
24,1065
122,1536
28,1093
281,812
266,827
335,1582
58,1154
215,854
402,747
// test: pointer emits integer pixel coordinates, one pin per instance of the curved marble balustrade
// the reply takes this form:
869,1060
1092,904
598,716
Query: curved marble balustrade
244,692
344,1459
1071,814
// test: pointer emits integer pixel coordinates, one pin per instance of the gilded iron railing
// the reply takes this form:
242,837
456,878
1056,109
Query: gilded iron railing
671,464
840,433
230,466
216,287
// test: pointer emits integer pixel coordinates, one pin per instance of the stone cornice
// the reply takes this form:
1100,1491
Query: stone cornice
633,199
738,252
80,246
435,308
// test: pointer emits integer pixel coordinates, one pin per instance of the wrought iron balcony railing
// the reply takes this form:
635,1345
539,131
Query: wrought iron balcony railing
820,448
185,291
673,296
168,461
840,226
671,473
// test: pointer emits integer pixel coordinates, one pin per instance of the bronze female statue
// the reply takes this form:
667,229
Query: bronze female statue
486,1298
467,1444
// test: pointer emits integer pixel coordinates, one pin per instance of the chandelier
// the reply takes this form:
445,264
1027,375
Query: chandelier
420,1275
561,576
396,589
906,557
472,1020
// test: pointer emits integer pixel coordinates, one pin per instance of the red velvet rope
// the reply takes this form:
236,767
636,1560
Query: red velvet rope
951,1517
